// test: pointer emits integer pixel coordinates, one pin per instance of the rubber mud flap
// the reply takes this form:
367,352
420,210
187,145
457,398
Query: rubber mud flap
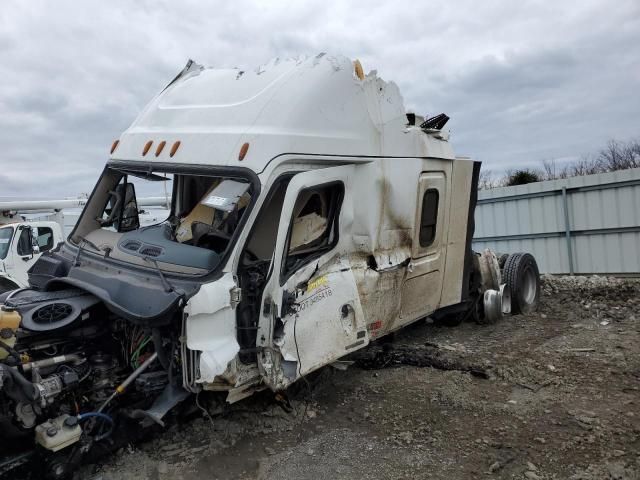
522,275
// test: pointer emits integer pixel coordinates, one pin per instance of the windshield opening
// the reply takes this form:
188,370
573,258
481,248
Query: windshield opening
5,240
176,221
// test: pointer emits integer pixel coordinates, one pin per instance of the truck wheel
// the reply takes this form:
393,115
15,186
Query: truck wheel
477,312
522,275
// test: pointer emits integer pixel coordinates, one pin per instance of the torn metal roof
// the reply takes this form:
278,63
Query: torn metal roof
312,105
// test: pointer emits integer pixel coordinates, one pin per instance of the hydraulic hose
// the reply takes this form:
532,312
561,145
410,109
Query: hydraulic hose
11,351
16,386
103,416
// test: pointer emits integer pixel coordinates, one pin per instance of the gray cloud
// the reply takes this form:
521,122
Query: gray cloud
522,81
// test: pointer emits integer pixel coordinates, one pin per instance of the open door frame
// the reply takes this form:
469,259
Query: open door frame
314,316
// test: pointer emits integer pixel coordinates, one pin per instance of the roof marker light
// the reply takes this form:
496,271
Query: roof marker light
146,148
243,151
357,66
174,148
114,145
160,147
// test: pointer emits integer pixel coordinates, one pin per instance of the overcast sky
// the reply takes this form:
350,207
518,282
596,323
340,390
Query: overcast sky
522,81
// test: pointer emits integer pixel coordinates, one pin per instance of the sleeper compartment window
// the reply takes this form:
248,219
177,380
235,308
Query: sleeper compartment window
429,217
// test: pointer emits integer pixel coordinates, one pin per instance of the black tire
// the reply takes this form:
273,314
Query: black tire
502,259
477,314
452,320
522,276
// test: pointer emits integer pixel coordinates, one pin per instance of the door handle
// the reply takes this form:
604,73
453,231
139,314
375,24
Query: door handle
26,259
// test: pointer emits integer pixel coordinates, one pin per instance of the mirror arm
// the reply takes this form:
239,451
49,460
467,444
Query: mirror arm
109,219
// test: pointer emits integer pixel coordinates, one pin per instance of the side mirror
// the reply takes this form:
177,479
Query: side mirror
33,236
127,219
25,245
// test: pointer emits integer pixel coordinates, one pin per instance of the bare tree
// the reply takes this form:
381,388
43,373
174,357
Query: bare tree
620,156
551,170
585,165
486,180
614,156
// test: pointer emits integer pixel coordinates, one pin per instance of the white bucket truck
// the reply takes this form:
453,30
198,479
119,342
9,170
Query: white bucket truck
21,244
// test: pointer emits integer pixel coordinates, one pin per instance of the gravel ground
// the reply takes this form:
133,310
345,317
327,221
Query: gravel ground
553,395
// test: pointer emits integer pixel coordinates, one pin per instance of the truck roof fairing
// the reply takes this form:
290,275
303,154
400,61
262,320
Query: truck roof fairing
313,105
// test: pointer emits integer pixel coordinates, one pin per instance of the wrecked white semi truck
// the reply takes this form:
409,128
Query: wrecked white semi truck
310,215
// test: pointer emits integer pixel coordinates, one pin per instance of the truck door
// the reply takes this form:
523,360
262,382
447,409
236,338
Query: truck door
23,254
422,287
311,310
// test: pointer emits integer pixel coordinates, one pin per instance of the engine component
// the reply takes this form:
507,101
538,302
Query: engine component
50,362
9,322
45,311
18,388
57,314
103,366
58,433
26,415
45,389
48,388
63,352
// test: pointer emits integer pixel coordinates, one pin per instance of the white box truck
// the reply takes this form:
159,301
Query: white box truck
310,215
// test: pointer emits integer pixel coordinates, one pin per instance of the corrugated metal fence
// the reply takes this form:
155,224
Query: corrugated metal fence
578,225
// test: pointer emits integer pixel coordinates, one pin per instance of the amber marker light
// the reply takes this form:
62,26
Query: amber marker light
160,147
357,66
243,151
174,148
146,148
114,145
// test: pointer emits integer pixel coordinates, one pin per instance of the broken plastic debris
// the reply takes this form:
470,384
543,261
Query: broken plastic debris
214,362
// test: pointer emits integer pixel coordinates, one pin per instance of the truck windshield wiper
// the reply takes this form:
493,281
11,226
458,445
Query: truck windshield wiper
81,241
165,283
